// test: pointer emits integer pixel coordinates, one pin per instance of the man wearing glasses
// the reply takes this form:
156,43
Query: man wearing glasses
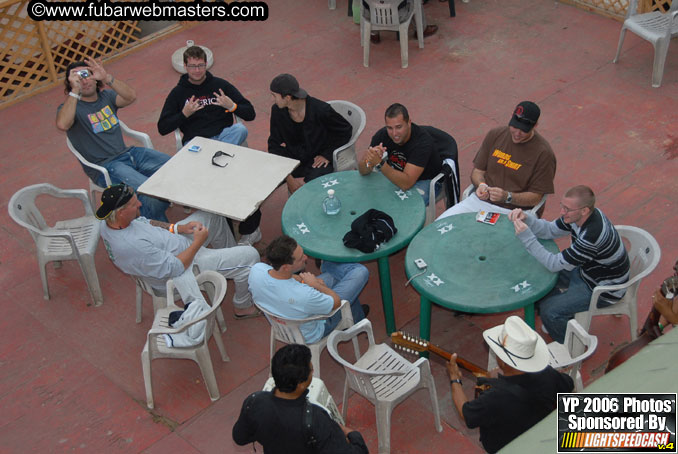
206,106
157,251
514,167
596,256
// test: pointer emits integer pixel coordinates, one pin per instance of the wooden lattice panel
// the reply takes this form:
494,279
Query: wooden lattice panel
618,8
33,54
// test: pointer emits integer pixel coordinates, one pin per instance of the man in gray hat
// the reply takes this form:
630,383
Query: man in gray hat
514,167
304,128
524,391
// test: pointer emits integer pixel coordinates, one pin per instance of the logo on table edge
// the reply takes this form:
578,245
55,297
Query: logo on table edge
303,229
520,286
330,183
444,228
402,194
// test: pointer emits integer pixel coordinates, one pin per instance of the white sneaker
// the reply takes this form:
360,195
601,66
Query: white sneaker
250,239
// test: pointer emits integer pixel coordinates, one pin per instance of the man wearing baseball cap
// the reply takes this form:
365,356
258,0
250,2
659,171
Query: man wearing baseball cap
158,251
524,392
304,128
514,167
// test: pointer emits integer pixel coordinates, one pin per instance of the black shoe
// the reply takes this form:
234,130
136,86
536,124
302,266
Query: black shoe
366,309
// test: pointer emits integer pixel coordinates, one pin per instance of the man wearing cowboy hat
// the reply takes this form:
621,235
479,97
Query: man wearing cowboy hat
514,167
158,251
524,392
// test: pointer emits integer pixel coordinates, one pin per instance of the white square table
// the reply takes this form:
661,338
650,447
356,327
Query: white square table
234,191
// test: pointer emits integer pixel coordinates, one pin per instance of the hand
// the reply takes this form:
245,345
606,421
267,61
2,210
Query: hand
374,155
74,78
223,100
293,184
200,234
320,161
517,214
482,191
497,194
519,226
189,227
191,107
97,69
311,279
453,368
346,430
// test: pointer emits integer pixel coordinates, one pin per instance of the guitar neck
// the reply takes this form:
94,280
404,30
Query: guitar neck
468,365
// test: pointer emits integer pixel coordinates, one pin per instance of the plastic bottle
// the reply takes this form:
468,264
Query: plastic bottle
331,204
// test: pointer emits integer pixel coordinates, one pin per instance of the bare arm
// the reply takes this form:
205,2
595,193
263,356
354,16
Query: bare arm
66,115
405,179
458,396
199,237
125,94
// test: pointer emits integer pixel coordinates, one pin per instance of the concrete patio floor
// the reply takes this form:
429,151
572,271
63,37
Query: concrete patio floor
70,373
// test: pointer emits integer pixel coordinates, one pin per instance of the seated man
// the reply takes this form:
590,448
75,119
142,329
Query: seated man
513,168
279,290
204,105
89,117
518,399
407,148
304,128
596,257
158,251
276,418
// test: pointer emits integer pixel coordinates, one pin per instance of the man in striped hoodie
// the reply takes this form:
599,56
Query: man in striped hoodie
596,257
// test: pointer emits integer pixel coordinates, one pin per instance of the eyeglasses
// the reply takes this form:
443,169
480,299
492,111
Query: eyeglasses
127,191
200,66
569,210
219,154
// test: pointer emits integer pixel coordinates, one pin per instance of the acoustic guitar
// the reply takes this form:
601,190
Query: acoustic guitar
416,345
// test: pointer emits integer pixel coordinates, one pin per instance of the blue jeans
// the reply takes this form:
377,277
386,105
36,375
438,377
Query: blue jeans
423,187
559,306
133,167
235,134
347,280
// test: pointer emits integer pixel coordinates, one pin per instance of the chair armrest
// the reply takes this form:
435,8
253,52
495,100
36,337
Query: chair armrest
632,9
538,206
432,189
178,139
139,136
600,289
578,331
86,163
346,314
468,191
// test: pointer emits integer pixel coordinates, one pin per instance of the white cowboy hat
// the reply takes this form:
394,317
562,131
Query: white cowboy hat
518,345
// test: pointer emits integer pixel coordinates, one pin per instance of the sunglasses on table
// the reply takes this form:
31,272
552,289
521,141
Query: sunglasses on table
218,154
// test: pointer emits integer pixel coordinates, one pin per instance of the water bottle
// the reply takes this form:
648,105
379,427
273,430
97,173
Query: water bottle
331,204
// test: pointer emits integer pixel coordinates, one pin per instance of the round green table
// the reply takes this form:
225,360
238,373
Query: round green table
475,267
320,235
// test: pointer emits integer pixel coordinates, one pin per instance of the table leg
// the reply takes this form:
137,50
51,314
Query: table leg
529,315
386,295
425,318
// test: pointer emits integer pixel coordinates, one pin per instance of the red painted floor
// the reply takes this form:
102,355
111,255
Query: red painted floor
70,374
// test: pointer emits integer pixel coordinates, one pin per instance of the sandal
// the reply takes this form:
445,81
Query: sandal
257,313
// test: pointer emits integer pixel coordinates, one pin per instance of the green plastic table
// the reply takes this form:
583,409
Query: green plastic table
320,235
475,267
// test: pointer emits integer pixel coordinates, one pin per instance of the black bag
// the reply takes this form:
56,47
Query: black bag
369,230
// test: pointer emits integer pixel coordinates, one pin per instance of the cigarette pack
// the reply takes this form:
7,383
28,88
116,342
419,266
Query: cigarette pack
487,217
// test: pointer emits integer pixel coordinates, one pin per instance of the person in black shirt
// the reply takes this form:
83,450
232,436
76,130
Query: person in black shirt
521,397
408,150
304,128
277,420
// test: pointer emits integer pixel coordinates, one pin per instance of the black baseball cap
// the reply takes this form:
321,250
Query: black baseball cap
113,198
525,116
286,84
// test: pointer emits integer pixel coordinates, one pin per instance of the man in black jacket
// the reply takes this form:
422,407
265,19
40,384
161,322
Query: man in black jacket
277,419
204,105
304,128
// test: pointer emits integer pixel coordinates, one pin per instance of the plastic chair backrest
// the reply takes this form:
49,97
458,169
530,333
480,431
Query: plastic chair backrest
353,114
384,14
644,252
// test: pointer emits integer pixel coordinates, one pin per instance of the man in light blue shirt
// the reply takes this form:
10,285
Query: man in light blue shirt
278,289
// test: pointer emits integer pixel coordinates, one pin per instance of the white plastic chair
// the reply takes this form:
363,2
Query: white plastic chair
644,254
344,157
383,377
565,355
657,28
160,300
287,331
178,136
141,137
533,211
73,239
212,283
384,16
